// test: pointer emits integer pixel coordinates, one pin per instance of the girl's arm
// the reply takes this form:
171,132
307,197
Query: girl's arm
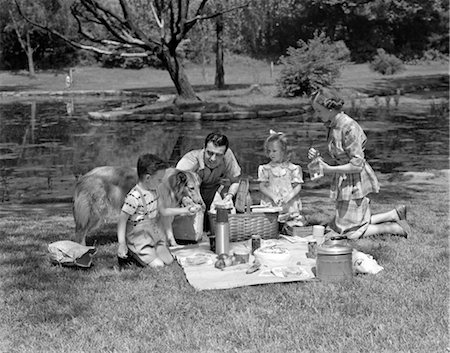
264,188
293,193
121,229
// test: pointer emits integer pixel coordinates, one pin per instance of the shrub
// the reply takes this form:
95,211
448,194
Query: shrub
311,65
386,64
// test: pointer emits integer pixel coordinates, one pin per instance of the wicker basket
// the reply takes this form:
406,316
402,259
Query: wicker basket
244,225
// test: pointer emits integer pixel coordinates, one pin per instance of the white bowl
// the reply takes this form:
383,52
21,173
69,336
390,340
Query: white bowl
272,256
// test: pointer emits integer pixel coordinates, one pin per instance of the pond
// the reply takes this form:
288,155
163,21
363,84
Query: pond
46,144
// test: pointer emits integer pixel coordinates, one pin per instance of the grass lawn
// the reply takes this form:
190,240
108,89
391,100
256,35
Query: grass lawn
404,308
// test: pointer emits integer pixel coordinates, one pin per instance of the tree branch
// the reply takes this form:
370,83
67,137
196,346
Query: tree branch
190,23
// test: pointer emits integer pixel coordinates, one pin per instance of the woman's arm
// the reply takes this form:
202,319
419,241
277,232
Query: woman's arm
345,168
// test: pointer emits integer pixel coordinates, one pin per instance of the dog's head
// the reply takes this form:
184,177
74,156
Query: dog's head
178,184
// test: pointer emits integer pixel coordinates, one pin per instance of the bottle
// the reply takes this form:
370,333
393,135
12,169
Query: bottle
315,169
222,231
256,242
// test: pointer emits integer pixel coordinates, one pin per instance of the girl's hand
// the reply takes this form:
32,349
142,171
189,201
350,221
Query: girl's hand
122,251
313,153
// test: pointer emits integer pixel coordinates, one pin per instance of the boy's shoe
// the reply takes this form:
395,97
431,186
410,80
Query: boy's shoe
406,228
401,212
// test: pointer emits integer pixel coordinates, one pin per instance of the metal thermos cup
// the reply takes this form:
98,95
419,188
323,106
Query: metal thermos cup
222,231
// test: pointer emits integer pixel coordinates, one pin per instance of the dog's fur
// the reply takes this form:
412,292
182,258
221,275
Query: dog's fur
103,190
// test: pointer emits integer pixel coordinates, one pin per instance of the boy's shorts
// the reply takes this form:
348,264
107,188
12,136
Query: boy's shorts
146,242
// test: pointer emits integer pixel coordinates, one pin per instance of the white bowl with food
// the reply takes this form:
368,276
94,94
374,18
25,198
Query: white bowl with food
272,256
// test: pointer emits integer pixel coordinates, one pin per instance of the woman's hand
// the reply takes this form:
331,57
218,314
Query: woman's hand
313,153
325,166
122,251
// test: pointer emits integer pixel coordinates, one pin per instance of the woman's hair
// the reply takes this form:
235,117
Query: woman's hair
282,140
217,139
150,164
328,97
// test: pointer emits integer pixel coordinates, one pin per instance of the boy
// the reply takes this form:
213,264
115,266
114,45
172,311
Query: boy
138,231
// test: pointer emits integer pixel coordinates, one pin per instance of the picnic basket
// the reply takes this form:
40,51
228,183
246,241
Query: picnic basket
244,225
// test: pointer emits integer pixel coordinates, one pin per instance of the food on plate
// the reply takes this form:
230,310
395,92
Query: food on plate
253,268
225,260
198,259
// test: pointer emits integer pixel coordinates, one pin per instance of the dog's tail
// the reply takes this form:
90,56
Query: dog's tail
89,200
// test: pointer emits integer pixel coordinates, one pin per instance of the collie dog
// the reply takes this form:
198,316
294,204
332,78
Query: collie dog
102,191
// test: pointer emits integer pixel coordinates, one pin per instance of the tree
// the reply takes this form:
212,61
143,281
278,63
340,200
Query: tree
138,28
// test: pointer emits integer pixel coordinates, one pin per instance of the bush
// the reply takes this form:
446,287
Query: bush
386,64
311,65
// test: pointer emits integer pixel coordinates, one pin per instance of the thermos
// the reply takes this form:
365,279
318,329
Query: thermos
222,231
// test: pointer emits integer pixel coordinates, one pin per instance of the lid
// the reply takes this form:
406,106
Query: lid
334,250
222,215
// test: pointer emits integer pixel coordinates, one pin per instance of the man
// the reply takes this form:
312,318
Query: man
213,163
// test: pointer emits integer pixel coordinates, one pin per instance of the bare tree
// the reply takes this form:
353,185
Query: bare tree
138,28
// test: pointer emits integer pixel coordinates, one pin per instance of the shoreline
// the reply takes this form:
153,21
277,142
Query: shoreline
389,181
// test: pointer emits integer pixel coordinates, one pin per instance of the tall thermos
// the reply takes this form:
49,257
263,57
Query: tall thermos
222,231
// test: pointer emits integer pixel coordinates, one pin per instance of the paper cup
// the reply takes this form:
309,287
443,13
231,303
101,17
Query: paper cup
319,234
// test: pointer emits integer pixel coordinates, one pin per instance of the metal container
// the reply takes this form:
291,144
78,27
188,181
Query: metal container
222,242
334,263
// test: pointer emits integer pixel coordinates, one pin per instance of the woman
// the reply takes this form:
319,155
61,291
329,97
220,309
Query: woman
353,178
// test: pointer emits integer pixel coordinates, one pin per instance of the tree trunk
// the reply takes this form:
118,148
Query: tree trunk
29,51
220,74
178,76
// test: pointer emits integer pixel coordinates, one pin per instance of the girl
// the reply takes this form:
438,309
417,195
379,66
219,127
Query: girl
353,178
281,180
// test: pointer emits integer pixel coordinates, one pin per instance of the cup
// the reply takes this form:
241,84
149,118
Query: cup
319,234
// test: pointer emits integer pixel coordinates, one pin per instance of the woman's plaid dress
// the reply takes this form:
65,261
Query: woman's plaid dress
346,144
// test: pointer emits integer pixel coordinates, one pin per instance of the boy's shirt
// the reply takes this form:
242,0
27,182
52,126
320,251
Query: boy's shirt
134,205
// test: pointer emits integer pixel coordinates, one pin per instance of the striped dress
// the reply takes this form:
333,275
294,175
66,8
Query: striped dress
346,144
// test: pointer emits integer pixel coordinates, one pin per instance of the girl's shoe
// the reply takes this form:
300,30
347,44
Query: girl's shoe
406,228
401,212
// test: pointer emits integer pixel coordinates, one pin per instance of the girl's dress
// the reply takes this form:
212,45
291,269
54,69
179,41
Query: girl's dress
346,144
279,178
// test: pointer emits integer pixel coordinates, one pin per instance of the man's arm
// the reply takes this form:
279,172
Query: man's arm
233,171
188,162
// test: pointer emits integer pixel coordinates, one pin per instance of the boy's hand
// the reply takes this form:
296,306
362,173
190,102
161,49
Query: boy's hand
172,241
122,251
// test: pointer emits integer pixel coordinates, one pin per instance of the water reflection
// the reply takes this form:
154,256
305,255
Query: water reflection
46,145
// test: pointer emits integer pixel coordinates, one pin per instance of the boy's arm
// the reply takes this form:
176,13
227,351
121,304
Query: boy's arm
121,229
179,211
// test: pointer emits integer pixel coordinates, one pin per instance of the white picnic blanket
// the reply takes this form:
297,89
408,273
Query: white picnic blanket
198,261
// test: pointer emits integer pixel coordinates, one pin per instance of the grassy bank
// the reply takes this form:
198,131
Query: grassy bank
242,75
401,309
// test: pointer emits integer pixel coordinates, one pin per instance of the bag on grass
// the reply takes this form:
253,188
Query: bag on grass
69,253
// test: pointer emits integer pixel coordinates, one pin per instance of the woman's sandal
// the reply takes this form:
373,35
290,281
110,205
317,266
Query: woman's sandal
401,212
406,228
